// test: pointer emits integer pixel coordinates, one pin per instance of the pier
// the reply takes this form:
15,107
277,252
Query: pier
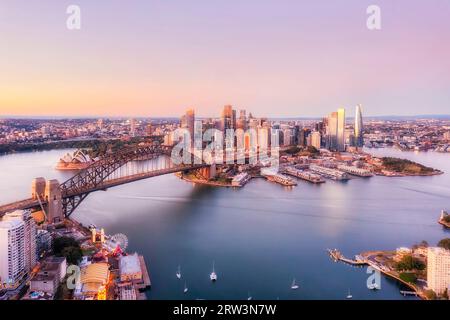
329,173
409,293
146,283
304,175
338,256
360,172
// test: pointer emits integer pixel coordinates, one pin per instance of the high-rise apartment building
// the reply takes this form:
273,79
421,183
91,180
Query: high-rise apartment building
438,269
17,247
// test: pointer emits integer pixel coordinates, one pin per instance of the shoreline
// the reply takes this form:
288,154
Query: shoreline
412,286
443,223
205,182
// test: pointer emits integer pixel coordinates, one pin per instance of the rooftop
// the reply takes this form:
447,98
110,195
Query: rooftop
130,264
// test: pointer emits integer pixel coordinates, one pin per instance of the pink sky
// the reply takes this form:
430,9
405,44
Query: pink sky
273,58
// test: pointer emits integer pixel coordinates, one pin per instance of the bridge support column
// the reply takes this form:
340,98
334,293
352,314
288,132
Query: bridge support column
38,188
54,201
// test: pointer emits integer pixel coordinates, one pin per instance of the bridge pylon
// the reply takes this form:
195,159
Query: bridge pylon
49,192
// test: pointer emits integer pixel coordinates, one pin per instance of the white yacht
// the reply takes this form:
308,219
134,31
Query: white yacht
185,288
349,296
294,285
249,296
178,273
213,275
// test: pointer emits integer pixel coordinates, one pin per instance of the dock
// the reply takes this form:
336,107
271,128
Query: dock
409,293
281,179
146,283
304,175
338,256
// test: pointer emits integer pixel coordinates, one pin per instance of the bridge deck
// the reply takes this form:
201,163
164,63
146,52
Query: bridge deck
19,205
31,203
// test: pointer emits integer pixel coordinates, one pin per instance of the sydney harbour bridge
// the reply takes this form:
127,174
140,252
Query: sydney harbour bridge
59,200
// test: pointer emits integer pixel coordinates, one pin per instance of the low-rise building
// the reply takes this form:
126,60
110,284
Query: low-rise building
130,268
49,276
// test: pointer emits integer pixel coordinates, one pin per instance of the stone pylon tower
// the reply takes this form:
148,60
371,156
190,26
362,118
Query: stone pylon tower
54,201
38,189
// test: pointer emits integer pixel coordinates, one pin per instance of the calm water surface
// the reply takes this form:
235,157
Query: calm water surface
260,236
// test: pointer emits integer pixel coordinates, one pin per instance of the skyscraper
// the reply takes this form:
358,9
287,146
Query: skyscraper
228,118
316,139
341,130
17,247
438,269
132,127
332,131
358,130
188,122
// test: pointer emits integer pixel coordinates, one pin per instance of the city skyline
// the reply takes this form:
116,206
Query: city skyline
301,59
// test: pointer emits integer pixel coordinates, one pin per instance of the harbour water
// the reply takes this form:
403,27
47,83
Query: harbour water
260,236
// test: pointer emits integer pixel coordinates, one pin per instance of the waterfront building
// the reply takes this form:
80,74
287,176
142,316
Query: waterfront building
438,269
355,171
94,277
240,179
12,258
76,161
130,268
358,128
30,235
328,172
18,253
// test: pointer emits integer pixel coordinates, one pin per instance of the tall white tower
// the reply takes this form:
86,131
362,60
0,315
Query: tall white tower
359,141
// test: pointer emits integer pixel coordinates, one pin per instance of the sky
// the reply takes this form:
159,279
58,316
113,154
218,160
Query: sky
277,58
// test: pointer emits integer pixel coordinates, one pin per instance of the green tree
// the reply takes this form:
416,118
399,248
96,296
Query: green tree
444,243
430,294
408,277
73,254
408,262
67,247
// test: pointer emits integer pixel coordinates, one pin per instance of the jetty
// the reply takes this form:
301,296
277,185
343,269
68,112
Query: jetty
338,256
304,175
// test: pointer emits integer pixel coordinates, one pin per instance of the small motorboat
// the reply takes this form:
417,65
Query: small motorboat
213,275
294,285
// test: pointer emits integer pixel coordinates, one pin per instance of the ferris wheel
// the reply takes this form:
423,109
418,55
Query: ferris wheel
120,240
